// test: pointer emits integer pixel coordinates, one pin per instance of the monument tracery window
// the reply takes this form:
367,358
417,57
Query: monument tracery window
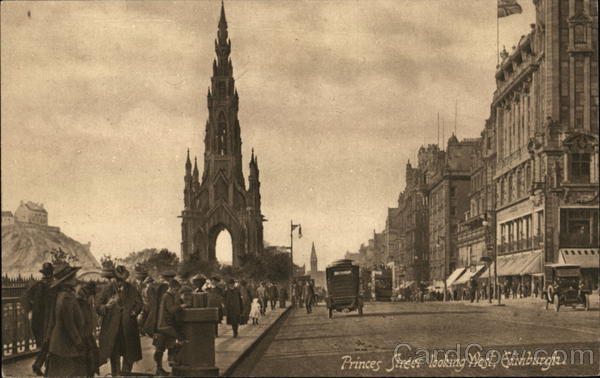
222,135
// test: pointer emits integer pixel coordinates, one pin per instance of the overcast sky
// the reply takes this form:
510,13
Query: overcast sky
100,101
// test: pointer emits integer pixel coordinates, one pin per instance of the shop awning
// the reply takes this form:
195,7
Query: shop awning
584,257
454,276
469,273
533,265
519,264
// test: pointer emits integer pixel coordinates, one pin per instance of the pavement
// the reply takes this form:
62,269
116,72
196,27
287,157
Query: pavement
228,350
432,339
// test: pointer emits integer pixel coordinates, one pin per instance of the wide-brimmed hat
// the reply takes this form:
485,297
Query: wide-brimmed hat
62,273
121,273
47,269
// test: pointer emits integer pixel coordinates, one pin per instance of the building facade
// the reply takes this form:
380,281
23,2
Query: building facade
413,224
546,116
446,176
31,212
8,218
220,201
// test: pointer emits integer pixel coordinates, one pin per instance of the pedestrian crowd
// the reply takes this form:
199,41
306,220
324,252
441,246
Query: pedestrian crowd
64,313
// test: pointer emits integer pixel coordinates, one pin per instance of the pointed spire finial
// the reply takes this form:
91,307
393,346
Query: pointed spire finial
222,20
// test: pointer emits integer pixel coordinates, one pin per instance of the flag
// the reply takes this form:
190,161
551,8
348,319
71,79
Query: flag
508,7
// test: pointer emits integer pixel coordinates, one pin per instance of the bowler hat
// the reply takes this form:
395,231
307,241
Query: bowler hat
140,271
47,269
231,281
169,273
64,272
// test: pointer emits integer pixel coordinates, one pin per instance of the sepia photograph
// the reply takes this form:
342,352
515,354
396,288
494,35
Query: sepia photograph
299,188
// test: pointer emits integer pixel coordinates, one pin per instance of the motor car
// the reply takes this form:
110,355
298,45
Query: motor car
565,287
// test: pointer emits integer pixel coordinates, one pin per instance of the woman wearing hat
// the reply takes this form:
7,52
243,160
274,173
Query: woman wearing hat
119,305
66,352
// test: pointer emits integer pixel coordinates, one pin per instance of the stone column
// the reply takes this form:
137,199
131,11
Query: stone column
197,357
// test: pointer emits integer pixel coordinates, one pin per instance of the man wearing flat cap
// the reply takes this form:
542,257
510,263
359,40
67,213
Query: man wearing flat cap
154,293
38,302
119,305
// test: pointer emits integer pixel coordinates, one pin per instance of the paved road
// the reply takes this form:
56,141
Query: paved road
304,345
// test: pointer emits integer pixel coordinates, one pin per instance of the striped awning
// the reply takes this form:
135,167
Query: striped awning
454,276
469,273
584,257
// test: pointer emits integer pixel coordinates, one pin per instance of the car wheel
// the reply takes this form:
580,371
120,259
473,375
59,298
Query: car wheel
360,311
330,313
556,303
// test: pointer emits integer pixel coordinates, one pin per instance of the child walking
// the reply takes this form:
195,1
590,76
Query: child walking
255,311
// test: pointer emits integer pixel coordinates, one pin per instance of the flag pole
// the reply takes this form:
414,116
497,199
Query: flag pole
497,39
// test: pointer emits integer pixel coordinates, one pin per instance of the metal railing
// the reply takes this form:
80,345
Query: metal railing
17,338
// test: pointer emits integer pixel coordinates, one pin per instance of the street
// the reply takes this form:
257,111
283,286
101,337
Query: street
311,344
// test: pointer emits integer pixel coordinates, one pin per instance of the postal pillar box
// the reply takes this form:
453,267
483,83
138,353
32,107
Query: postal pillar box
199,300
197,357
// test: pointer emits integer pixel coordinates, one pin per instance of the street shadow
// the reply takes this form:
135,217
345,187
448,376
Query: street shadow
404,313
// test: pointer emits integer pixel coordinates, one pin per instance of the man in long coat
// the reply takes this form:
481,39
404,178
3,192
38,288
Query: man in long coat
167,331
308,295
263,297
119,305
233,306
283,296
273,295
66,350
246,302
38,302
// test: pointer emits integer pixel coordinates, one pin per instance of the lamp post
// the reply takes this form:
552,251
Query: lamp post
438,244
292,228
488,225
